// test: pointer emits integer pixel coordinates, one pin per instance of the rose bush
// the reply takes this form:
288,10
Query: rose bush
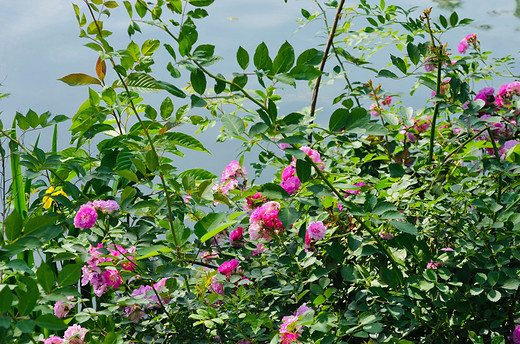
397,228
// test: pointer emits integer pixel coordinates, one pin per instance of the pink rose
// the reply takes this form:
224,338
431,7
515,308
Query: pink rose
317,230
227,268
86,216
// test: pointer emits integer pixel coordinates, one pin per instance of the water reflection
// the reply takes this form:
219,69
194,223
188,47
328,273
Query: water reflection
517,10
449,4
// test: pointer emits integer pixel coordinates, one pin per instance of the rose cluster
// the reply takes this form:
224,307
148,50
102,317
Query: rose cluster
264,222
466,41
290,329
104,277
230,177
149,293
75,334
86,216
290,182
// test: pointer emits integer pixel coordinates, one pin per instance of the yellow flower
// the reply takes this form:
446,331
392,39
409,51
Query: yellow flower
47,201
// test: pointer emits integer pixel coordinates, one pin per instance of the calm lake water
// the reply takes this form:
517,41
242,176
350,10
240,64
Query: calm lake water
39,43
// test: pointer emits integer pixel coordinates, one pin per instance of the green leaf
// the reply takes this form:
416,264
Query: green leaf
494,295
26,325
140,9
198,81
443,21
46,277
413,53
274,191
198,174
173,90
70,274
310,57
113,338
338,119
51,322
399,63
152,162
336,251
13,226
201,3
288,216
150,46
284,60
208,223
186,140
396,170
257,129
454,19
385,73
28,296
151,251
80,79
357,118
130,175
166,108
6,299
261,58
303,170
234,125
404,227
242,58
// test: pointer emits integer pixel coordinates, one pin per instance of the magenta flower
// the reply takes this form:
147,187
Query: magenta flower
112,278
53,340
288,172
106,207
284,146
86,216
75,334
216,287
447,249
355,191
463,46
375,110
236,237
317,230
227,268
62,308
486,94
387,101
291,185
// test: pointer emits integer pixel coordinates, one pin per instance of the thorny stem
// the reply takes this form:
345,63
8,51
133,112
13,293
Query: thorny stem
359,219
324,59
497,156
145,129
336,55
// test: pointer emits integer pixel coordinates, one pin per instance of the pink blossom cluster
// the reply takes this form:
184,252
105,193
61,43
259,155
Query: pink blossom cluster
420,126
254,201
290,330
315,232
434,265
104,277
290,181
264,221
62,308
355,191
466,41
228,267
445,85
86,216
147,292
230,177
506,92
376,110
236,237
75,334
